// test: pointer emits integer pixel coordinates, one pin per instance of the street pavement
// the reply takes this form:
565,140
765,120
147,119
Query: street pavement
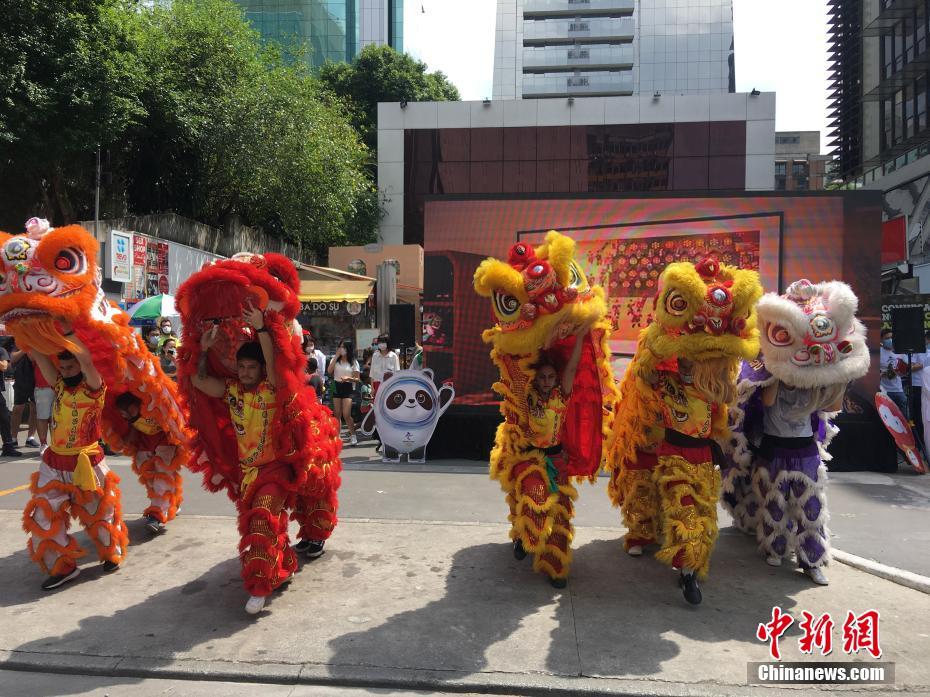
418,589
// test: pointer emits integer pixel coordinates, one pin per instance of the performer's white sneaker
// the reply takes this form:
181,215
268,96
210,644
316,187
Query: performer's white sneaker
255,604
353,440
635,551
816,575
773,560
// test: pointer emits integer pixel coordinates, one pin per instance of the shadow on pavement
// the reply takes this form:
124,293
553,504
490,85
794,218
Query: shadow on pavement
159,627
488,595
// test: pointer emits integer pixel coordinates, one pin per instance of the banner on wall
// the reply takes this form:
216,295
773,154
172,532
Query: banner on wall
149,269
892,302
119,257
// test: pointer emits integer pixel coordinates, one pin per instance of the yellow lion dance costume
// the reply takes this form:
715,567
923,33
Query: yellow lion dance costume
49,274
673,408
542,299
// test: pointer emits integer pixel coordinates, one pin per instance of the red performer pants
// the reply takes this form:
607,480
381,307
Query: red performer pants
264,549
317,503
637,489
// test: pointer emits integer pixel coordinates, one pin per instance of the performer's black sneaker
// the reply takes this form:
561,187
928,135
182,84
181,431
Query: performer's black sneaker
518,552
690,589
110,566
559,583
53,582
314,548
155,525
302,546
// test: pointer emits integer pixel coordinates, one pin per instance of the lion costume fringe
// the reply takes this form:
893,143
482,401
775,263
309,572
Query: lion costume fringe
305,476
540,298
52,273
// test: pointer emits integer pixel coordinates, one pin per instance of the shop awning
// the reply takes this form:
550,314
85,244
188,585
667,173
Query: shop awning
335,291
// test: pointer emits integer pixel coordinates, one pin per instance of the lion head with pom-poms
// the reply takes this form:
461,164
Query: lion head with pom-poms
704,310
538,295
541,298
49,273
810,335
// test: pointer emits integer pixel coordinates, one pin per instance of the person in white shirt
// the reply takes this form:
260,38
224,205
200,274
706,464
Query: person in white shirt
311,351
345,372
382,361
890,367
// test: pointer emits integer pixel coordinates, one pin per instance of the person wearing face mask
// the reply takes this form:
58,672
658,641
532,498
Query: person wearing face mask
73,478
166,332
152,335
156,462
382,362
892,366
311,351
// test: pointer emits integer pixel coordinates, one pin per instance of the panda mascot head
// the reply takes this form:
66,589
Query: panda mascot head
405,413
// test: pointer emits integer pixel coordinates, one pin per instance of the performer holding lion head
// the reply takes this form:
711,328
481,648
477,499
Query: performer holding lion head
673,408
558,392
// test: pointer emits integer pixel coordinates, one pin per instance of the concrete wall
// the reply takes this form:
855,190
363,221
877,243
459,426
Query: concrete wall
175,228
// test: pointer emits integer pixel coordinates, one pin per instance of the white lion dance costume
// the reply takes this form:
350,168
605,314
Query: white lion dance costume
812,347
52,273
673,409
541,298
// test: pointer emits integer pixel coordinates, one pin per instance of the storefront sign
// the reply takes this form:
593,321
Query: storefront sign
895,301
333,308
119,263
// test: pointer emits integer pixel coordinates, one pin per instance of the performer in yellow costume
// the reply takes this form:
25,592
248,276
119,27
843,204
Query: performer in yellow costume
673,410
550,324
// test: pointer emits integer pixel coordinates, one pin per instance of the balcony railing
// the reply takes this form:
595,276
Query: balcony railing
578,8
547,59
603,84
569,31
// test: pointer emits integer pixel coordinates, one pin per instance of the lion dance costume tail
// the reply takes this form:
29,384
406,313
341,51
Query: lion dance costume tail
541,298
302,481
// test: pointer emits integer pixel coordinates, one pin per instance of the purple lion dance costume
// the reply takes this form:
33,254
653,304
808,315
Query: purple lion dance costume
774,487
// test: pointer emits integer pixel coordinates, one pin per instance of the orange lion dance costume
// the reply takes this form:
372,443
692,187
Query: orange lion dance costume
541,298
304,475
52,273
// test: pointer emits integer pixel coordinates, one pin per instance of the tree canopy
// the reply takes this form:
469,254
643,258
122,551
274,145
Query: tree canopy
381,74
194,115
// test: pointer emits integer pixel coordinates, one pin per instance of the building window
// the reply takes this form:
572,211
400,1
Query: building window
799,169
781,168
780,183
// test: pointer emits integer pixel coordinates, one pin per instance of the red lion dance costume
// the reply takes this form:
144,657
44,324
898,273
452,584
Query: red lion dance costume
541,298
52,273
305,474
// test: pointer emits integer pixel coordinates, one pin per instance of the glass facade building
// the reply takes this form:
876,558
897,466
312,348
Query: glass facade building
332,30
552,48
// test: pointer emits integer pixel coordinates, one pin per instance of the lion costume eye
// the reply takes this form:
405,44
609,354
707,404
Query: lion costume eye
506,305
70,261
676,304
576,279
778,335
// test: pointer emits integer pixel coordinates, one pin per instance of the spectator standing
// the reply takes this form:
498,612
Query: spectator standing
892,367
382,361
311,351
9,446
345,373
166,332
44,399
24,386
169,351
315,379
152,334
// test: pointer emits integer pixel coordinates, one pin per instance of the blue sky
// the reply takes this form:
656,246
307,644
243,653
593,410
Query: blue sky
780,47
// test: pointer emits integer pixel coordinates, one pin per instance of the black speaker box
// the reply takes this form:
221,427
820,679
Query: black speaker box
401,326
907,323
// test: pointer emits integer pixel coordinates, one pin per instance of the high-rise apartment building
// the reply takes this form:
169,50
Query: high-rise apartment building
333,30
586,48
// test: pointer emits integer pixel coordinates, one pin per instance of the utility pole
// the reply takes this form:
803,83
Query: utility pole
97,200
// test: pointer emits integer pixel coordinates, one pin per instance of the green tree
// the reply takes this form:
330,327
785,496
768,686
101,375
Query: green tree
69,80
381,74
233,129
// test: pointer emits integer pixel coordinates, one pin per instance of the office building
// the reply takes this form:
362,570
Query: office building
585,48
601,145
799,166
332,30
